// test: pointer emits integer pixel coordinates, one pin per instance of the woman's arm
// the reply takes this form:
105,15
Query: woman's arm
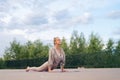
63,63
50,60
62,68
49,69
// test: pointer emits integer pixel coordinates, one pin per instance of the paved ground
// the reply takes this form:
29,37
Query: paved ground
72,74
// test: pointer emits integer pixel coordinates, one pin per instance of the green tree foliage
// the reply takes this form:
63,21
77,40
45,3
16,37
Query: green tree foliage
117,54
2,63
109,53
117,49
30,50
13,52
74,43
65,46
77,48
95,44
79,52
77,43
81,43
110,46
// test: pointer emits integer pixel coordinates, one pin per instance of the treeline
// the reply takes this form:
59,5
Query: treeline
80,52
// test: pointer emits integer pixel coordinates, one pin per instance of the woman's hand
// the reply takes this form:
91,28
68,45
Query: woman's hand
64,71
49,70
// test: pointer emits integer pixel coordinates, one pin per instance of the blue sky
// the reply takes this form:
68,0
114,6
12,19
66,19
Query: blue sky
25,20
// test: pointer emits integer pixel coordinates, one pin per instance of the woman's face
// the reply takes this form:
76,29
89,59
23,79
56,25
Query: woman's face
58,41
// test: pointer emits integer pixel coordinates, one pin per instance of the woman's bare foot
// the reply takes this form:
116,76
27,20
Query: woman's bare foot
27,69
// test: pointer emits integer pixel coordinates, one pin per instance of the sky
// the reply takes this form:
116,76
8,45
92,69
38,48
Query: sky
25,20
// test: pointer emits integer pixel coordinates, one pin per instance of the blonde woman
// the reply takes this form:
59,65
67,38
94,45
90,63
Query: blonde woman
56,57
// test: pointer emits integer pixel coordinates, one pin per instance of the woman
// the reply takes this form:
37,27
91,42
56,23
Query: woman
56,57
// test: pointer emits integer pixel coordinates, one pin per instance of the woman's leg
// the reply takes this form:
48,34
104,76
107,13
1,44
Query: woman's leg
43,67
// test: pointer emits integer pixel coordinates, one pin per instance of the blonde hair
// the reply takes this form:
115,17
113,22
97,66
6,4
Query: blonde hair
55,39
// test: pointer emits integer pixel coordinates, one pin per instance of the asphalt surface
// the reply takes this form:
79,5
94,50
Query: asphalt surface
71,74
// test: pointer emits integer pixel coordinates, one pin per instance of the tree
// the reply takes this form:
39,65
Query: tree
74,43
81,44
117,49
110,53
13,52
2,63
79,52
65,46
30,50
110,46
94,49
40,49
95,44
117,54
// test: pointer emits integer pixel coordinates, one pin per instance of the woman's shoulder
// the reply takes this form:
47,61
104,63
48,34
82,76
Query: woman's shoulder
62,49
52,49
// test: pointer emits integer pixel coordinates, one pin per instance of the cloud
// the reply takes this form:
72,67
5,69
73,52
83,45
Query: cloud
33,34
7,36
31,20
18,32
44,19
5,19
22,13
114,14
117,32
84,19
62,15
36,20
43,14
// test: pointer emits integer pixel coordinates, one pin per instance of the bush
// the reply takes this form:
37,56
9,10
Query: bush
20,64
2,64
